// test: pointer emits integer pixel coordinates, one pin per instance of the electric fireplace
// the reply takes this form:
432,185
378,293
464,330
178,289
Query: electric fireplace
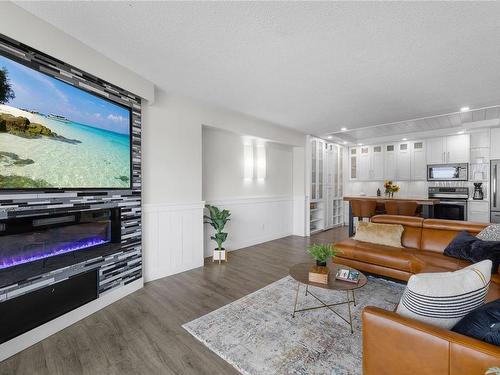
26,240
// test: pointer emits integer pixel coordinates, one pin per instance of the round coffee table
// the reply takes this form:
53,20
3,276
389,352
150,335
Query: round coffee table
300,272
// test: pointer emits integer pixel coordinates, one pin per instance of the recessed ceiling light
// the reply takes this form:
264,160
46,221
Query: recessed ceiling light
360,144
343,129
461,132
464,109
404,139
329,137
345,142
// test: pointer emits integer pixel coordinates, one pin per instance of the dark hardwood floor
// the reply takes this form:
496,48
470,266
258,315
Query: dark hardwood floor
142,333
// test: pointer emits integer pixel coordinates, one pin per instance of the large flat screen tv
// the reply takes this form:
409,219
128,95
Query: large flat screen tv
56,136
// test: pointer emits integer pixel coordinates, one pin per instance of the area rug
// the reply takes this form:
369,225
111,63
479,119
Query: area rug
257,334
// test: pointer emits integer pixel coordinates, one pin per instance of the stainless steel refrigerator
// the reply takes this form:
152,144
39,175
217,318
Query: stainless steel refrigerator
495,191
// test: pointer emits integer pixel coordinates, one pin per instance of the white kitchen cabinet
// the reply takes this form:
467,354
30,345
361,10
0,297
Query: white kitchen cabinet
480,139
364,163
457,148
403,161
377,165
353,163
436,151
326,204
390,162
495,144
317,169
418,161
451,149
478,211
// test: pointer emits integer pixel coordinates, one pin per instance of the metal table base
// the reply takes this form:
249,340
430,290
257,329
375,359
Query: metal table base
324,305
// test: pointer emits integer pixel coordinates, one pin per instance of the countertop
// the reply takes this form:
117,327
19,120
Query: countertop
420,200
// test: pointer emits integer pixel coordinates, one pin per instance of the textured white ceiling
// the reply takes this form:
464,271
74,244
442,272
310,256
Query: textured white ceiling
313,66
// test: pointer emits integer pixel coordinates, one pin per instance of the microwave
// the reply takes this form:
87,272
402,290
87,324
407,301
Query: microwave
448,172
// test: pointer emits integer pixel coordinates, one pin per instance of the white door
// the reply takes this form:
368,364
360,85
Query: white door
377,172
457,148
495,144
403,162
436,151
390,162
418,161
364,163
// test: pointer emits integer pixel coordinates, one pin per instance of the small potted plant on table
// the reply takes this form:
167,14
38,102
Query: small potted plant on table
218,219
321,253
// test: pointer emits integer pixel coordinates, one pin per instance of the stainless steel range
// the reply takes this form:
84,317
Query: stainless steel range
453,202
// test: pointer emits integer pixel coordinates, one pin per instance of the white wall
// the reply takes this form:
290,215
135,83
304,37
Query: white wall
172,189
223,168
260,210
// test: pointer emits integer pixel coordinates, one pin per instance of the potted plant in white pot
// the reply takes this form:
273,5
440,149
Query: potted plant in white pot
218,219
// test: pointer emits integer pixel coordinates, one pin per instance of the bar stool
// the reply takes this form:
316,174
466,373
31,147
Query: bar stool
391,208
356,209
407,208
402,208
368,209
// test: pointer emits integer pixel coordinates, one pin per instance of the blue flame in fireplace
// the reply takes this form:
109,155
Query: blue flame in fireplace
38,254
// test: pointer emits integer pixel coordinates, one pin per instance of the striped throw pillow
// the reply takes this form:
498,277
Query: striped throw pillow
442,299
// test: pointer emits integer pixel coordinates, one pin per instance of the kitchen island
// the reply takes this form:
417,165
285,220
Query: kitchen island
422,201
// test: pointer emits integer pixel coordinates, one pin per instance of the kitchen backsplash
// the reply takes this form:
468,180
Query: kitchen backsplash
408,188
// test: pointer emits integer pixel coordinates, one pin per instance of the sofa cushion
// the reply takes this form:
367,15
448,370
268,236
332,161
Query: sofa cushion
482,323
391,257
442,299
381,234
431,261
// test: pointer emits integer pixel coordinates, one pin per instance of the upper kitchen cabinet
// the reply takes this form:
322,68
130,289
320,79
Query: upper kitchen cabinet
495,144
436,151
457,148
451,149
390,162
418,161
364,163
353,163
403,162
377,165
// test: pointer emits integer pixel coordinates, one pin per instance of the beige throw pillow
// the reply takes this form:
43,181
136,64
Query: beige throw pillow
380,234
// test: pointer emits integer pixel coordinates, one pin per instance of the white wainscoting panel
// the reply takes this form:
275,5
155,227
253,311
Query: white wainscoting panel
299,215
253,221
173,238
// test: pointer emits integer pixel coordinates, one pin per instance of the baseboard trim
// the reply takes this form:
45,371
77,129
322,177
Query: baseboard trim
256,241
40,333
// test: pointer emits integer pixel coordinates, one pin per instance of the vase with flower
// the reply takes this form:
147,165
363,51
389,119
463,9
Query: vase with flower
390,188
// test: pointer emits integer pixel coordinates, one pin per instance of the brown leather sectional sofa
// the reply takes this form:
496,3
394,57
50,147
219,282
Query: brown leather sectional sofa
394,345
424,241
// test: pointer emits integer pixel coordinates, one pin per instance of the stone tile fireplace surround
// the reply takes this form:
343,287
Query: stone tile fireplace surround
121,263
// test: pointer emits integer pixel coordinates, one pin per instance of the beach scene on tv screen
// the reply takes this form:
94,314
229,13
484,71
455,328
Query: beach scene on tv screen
54,135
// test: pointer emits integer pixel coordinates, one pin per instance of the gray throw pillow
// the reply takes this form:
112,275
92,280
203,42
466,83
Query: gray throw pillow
490,233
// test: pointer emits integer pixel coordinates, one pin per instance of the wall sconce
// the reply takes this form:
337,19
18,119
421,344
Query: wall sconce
248,161
261,162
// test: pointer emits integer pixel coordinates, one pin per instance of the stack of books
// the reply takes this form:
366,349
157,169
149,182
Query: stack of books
350,276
